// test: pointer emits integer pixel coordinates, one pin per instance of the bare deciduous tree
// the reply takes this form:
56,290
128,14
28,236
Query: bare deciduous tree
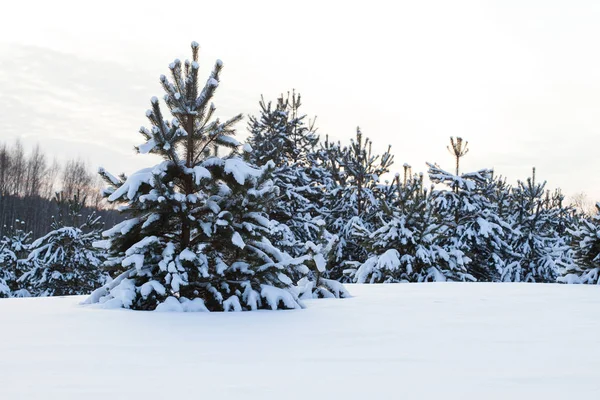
582,203
28,184
76,178
35,172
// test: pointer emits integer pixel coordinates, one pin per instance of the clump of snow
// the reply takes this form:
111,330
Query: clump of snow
200,173
196,305
327,289
320,262
152,286
122,227
232,304
122,294
212,82
274,295
132,184
171,304
369,271
187,255
108,175
241,170
237,240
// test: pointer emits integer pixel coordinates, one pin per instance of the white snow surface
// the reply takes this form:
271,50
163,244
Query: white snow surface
394,341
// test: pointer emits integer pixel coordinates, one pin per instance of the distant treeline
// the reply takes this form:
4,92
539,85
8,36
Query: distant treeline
29,181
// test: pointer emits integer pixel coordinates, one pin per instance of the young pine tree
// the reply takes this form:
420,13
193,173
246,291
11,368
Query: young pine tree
197,234
403,248
473,224
586,248
64,261
539,239
353,197
13,248
281,135
414,243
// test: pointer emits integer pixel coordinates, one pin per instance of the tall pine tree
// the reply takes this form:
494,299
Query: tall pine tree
197,236
353,198
282,135
473,225
539,241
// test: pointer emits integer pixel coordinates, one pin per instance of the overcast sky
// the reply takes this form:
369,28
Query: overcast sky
520,80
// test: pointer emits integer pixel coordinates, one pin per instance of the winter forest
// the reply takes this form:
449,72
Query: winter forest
286,215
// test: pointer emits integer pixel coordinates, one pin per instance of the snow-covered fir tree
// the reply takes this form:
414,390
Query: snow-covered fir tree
408,247
586,249
197,234
474,226
64,261
539,241
352,197
282,135
13,248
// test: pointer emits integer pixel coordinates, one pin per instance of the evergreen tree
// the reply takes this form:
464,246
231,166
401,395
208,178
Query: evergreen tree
474,226
281,135
13,247
409,246
198,235
320,258
586,248
353,197
539,243
64,261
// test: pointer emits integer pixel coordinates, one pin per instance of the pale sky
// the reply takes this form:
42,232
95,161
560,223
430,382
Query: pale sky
520,80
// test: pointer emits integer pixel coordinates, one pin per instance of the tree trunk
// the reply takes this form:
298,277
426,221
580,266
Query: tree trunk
188,180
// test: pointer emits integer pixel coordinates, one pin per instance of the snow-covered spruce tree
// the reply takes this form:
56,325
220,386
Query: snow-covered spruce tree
539,242
64,261
474,226
586,249
408,247
352,197
197,235
281,135
13,248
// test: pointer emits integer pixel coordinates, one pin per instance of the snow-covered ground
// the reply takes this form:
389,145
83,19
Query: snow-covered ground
412,341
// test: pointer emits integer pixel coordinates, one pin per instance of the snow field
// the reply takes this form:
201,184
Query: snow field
396,341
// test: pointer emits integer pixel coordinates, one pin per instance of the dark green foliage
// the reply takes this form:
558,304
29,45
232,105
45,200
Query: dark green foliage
281,134
353,197
197,234
539,243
